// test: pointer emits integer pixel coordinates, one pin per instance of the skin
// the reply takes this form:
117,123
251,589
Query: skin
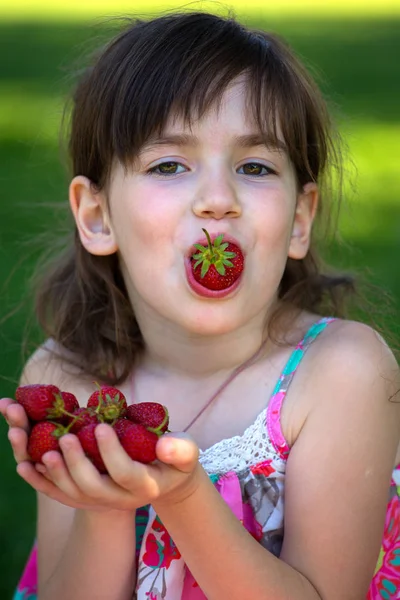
151,221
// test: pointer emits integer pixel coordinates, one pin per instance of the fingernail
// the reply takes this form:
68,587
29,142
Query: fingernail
170,453
66,443
101,432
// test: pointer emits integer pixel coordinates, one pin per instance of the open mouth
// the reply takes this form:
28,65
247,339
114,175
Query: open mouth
214,266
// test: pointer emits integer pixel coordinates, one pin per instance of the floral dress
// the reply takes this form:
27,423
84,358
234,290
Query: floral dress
249,473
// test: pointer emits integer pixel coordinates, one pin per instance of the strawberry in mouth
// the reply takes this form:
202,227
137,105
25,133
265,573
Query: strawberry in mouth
218,265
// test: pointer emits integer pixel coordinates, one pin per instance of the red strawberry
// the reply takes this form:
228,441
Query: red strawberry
139,443
121,425
218,265
37,400
152,415
109,402
90,447
82,417
70,401
44,437
63,407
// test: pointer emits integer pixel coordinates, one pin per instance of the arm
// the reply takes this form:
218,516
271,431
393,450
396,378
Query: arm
89,552
225,560
85,554
84,551
337,482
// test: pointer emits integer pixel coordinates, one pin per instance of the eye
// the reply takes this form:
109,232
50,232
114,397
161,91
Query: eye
167,168
256,169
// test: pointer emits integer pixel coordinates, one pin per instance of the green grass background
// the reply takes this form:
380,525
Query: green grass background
354,48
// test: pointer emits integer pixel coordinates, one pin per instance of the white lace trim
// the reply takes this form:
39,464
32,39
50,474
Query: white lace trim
240,452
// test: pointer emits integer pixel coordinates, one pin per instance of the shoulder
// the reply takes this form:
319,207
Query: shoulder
53,364
340,464
350,353
349,371
354,378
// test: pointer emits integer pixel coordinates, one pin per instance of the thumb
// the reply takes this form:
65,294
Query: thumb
178,450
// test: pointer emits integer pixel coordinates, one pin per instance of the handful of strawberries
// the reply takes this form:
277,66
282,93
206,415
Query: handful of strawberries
54,413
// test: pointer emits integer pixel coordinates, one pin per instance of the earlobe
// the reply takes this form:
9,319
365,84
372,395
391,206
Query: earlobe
306,209
91,216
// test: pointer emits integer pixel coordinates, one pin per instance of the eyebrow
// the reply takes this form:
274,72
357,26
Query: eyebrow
242,141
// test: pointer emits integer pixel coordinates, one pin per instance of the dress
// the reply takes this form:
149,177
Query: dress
249,473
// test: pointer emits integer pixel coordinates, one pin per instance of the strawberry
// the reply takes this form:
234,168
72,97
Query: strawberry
152,415
120,425
82,417
218,265
70,401
109,402
139,443
90,447
63,408
38,400
44,437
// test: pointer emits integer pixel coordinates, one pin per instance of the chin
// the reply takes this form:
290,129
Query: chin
211,321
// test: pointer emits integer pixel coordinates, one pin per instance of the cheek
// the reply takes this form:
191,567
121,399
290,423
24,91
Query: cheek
143,219
273,222
146,237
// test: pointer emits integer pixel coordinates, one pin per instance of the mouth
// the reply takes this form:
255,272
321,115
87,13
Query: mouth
214,265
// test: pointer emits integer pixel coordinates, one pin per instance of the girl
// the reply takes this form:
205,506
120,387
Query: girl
188,125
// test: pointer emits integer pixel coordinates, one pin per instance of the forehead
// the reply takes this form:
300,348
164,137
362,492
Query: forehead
231,115
232,105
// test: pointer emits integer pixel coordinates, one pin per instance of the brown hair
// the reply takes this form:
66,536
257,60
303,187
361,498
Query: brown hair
181,64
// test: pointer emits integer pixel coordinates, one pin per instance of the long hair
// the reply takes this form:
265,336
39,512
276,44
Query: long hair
181,64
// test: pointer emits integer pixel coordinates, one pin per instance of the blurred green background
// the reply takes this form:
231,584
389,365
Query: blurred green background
353,48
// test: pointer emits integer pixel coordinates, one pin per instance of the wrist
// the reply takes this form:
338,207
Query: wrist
180,495
106,517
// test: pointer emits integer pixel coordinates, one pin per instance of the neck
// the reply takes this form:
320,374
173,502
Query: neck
172,350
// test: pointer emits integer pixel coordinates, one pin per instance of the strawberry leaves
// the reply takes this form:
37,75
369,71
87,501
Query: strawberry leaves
215,253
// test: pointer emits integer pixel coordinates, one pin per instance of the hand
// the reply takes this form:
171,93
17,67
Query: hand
130,484
70,477
19,427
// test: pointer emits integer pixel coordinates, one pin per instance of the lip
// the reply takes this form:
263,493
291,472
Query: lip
199,289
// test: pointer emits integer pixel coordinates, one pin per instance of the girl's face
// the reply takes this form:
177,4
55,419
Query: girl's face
218,175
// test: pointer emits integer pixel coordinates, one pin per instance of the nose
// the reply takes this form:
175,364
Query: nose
216,198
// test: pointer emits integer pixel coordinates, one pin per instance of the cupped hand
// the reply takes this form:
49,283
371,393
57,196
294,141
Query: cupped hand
70,478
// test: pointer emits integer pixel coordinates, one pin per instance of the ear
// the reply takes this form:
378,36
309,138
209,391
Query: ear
306,209
91,216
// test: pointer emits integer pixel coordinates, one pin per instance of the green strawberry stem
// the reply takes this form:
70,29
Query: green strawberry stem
158,430
210,246
62,429
58,409
101,399
108,407
213,254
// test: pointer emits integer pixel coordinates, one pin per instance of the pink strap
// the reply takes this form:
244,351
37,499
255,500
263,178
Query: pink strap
274,408
274,425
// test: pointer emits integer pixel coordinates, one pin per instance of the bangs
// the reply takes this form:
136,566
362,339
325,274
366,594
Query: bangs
180,66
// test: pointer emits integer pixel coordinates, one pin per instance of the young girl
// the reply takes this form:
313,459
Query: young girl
281,489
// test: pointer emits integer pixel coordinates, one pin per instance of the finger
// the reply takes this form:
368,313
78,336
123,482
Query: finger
4,404
83,472
28,473
57,472
16,416
40,468
127,473
19,442
178,450
94,485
